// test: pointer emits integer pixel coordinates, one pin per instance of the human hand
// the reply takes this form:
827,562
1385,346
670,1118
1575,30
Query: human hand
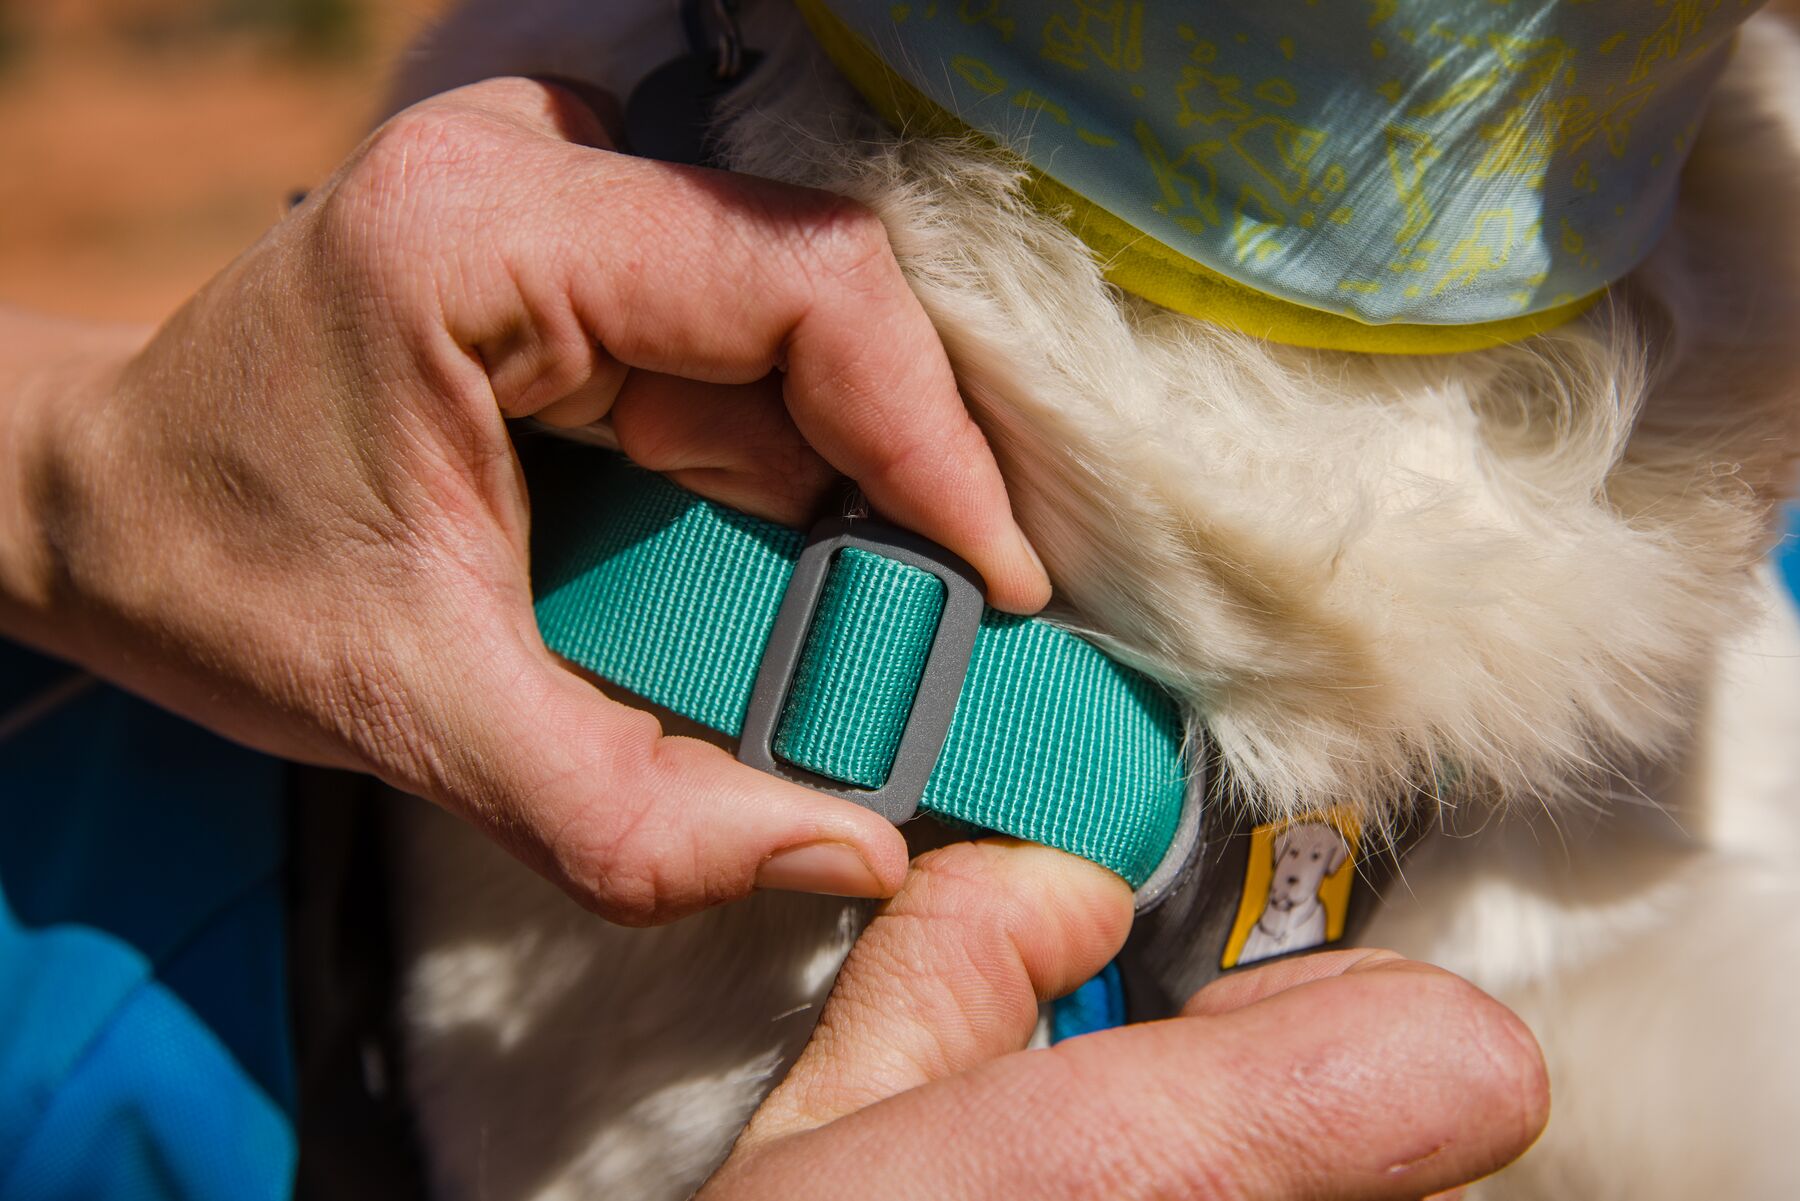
1348,1074
296,517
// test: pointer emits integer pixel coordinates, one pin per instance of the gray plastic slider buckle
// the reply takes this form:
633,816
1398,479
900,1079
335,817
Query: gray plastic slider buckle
946,666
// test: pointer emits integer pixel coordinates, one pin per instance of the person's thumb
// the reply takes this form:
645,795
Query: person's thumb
1389,1082
949,975
638,826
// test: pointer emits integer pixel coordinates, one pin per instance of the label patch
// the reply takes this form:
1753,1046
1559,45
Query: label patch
1296,893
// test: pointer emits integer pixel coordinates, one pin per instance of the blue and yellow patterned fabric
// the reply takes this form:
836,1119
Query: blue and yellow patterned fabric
144,1041
1405,176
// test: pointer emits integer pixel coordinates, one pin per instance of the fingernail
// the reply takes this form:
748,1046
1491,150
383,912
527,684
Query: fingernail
830,868
1373,959
1031,553
1041,592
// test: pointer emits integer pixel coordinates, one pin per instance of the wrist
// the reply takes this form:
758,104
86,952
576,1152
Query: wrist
53,373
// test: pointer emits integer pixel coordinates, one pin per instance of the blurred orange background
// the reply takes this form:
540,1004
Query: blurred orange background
144,143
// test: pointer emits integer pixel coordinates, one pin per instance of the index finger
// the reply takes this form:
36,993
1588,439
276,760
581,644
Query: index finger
722,278
807,281
1389,1083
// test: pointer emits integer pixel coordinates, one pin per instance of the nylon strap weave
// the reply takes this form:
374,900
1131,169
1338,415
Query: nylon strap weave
673,597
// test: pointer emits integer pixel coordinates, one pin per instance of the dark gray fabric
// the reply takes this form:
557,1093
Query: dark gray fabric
357,1139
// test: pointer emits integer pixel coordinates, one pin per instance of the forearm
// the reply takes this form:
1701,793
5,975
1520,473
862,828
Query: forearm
51,369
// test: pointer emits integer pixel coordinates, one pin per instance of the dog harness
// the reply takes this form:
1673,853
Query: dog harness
1402,176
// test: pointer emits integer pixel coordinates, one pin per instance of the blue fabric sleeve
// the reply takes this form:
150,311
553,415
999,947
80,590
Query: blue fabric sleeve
142,989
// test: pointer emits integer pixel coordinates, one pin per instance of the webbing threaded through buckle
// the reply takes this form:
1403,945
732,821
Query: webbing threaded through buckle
940,685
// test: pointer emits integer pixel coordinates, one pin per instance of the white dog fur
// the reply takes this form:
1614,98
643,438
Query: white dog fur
1529,570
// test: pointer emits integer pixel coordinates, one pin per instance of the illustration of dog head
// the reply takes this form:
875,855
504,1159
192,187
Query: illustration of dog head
1304,855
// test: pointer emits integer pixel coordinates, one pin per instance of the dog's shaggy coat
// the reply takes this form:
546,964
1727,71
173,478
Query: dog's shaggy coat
1521,582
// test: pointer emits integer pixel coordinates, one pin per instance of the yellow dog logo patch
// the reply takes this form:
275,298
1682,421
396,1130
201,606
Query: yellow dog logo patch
1297,884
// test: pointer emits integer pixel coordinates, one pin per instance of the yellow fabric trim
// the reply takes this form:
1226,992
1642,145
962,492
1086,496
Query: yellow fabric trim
1146,267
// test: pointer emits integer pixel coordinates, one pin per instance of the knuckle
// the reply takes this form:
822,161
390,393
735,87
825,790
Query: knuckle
949,866
846,245
648,437
626,899
955,883
900,463
616,873
955,440
394,176
639,865
503,93
426,137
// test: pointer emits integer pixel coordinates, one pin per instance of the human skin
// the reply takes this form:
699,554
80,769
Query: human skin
293,513
1348,1074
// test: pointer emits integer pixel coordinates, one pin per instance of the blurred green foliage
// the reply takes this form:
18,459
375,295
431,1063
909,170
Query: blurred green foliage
310,28
12,36
313,29
326,28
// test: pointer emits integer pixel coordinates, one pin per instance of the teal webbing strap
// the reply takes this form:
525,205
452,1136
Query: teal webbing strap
865,656
673,597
